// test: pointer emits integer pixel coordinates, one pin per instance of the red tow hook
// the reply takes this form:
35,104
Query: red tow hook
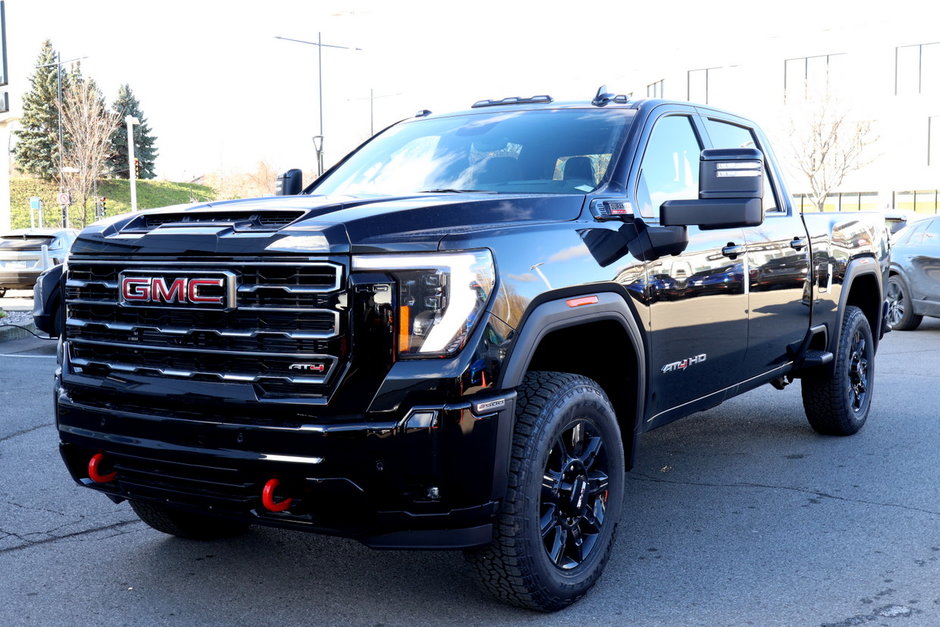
267,497
94,472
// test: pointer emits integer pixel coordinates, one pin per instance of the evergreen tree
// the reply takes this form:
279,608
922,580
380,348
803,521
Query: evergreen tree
37,146
144,149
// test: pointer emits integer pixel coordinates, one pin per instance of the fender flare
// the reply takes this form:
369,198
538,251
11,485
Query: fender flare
861,266
553,315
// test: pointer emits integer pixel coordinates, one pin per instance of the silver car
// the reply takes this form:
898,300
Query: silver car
914,285
25,253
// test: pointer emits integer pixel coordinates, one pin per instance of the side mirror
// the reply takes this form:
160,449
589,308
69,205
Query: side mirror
731,185
290,183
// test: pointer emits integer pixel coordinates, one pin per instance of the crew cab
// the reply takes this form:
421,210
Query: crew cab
455,337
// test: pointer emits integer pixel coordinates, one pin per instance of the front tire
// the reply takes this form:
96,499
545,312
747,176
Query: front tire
186,524
901,316
554,534
837,403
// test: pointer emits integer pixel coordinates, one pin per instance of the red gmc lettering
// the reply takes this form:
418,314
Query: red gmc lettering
175,293
135,289
180,290
194,285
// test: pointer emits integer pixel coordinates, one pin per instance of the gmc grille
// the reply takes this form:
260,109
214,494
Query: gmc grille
285,332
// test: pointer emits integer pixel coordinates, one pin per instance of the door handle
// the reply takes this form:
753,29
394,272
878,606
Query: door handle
732,250
798,243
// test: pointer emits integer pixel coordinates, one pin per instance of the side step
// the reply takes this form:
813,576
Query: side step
813,358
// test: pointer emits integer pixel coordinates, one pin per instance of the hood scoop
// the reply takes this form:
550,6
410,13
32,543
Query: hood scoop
250,221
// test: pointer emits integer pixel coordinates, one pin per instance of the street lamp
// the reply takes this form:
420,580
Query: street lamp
320,46
131,170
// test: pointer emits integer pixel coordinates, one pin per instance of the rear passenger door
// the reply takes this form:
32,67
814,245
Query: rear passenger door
776,263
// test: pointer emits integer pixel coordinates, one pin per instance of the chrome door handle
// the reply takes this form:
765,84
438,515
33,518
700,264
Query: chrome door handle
733,250
798,243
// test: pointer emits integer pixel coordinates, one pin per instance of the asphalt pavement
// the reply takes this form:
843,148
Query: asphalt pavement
741,515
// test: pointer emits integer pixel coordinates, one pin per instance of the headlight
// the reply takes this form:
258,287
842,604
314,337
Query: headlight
440,297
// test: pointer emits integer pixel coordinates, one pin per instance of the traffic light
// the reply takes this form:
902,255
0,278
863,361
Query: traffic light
137,167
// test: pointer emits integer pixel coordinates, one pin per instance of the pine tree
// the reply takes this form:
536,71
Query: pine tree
144,149
37,146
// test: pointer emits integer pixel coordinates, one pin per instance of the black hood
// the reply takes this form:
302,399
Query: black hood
318,224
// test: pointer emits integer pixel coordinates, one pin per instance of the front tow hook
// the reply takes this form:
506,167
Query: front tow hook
267,497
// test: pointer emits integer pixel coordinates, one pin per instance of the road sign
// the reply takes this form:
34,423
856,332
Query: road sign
64,198
35,203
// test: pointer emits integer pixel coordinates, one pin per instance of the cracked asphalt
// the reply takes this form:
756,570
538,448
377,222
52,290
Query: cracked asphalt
737,516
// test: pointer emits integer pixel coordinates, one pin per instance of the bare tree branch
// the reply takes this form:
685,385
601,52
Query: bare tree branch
88,124
827,146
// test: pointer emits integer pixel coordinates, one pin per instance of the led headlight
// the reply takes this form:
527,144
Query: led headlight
440,297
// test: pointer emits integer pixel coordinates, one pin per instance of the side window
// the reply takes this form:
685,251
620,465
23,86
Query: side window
932,232
726,135
669,170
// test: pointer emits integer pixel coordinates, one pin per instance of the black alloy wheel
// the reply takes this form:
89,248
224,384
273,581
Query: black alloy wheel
573,505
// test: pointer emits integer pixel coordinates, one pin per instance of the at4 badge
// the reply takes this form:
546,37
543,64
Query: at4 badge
685,363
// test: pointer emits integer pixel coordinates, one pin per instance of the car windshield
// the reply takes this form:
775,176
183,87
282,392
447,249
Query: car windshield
25,242
556,151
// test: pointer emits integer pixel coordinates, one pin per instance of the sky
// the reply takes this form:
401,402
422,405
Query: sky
221,93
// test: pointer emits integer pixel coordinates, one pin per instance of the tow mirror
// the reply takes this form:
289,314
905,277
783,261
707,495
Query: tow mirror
290,183
731,185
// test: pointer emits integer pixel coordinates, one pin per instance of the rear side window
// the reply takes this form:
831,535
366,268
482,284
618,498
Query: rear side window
727,135
669,170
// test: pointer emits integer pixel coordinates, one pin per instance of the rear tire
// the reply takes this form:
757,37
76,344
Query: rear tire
186,524
901,316
554,534
837,403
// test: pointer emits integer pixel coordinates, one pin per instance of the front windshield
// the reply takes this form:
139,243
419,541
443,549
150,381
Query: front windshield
555,151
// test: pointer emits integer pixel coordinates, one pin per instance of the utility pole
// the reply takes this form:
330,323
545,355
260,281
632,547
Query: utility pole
131,164
318,145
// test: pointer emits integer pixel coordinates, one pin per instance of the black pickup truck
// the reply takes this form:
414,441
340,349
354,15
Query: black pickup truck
455,337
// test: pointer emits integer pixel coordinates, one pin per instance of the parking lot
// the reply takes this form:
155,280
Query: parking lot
740,515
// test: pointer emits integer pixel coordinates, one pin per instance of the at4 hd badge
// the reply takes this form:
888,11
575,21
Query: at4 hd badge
685,363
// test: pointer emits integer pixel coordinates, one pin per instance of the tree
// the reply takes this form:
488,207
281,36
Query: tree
144,150
37,146
89,126
828,145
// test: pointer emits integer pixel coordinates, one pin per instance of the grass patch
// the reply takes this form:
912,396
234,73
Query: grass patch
150,195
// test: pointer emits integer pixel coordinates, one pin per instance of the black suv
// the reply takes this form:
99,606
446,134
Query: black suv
455,336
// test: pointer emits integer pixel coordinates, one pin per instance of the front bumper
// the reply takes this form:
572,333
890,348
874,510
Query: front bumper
430,477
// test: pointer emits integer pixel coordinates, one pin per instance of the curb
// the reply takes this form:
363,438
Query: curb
9,332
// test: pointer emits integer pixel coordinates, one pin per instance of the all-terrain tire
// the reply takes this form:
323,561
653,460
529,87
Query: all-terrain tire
186,524
554,534
837,402
901,316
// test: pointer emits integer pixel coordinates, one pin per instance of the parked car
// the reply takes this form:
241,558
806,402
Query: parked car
914,281
895,220
22,258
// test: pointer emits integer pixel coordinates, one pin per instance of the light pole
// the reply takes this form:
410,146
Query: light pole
131,170
320,46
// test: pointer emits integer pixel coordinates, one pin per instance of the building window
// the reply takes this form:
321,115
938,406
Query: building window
916,68
805,77
655,90
698,83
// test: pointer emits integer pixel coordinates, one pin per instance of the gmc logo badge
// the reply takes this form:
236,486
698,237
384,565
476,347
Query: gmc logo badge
163,291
